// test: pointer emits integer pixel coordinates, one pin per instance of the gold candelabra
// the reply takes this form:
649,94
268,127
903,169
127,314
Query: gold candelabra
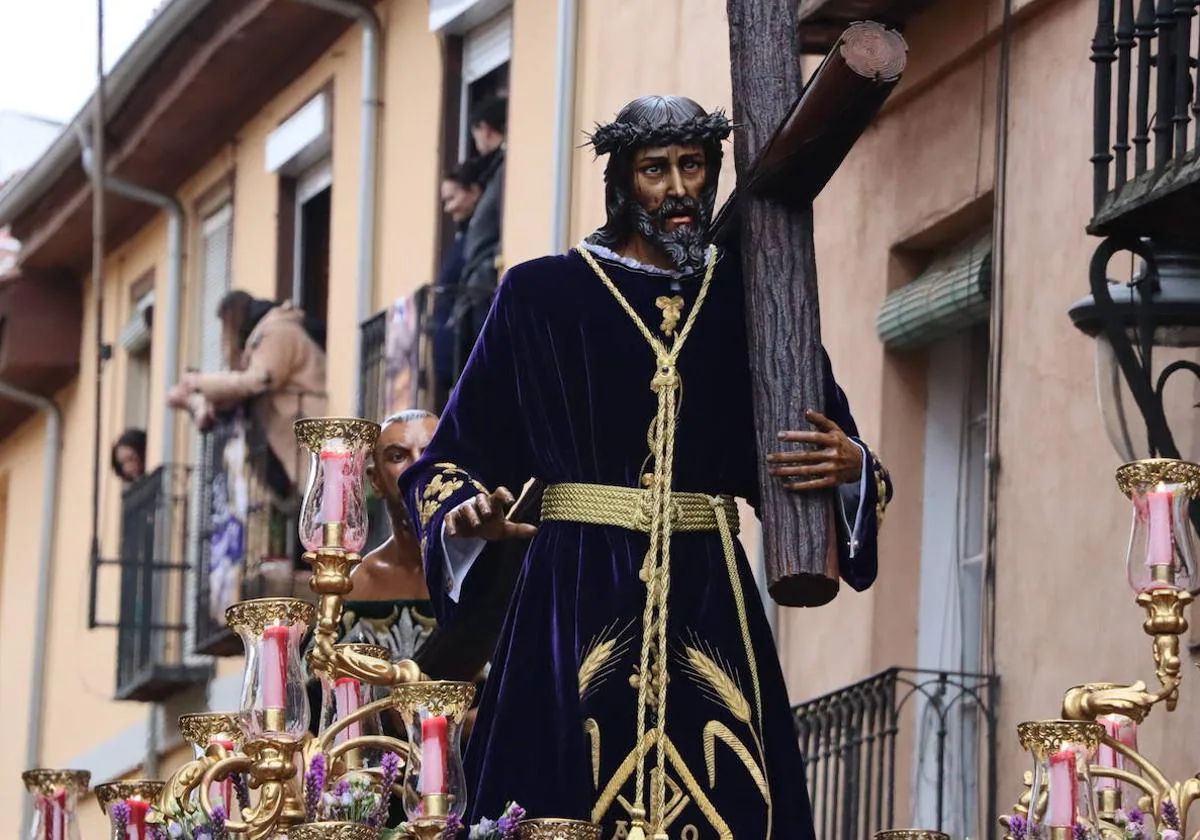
1092,751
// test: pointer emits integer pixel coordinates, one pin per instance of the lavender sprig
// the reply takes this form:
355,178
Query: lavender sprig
1170,815
1079,832
1018,828
509,820
390,765
314,786
454,828
219,832
119,814
241,789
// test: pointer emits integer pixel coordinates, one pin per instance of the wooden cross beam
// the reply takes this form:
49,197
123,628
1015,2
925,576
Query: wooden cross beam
787,148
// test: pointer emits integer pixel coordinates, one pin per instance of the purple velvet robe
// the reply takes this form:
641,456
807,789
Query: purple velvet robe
557,388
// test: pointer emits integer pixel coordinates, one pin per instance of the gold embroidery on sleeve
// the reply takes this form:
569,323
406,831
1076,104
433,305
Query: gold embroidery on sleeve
441,487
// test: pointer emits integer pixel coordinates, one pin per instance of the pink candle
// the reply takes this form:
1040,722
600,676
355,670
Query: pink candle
59,807
347,697
1123,730
136,829
273,669
1159,547
1060,807
224,789
434,743
334,462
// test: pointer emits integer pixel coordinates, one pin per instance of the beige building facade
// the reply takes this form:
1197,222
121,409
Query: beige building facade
250,114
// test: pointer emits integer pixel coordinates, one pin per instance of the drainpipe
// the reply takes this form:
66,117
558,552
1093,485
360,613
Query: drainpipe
372,38
175,229
41,621
176,222
564,123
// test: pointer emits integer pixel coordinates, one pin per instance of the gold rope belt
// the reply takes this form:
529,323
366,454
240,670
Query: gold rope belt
629,507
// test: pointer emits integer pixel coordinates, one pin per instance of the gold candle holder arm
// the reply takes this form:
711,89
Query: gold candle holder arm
326,740
213,772
1165,621
1093,700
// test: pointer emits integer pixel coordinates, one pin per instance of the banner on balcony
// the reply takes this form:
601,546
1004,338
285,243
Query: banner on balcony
230,506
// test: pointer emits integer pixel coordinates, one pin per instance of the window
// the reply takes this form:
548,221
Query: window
135,339
950,617
216,259
310,246
486,53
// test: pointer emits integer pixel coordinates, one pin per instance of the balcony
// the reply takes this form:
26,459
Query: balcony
245,526
396,371
1145,163
904,747
151,625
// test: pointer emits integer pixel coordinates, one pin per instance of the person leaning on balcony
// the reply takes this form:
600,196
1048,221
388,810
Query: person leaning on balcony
460,192
276,367
489,120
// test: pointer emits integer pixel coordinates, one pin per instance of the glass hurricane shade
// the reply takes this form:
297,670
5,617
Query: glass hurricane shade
1062,752
55,795
342,696
1161,553
274,700
434,782
334,509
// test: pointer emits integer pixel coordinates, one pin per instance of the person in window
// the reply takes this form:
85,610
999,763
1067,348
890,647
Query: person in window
481,246
460,192
128,455
276,368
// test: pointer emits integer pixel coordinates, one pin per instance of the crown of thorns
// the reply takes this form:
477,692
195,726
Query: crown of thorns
623,136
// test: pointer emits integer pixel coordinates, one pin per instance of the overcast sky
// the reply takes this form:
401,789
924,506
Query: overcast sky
48,51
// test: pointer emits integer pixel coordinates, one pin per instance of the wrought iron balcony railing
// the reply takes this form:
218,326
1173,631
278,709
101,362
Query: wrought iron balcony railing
1145,162
904,747
245,543
151,654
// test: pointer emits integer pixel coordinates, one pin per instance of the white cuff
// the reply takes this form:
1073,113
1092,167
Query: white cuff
854,493
460,554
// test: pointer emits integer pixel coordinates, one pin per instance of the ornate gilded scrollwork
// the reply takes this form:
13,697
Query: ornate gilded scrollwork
356,432
255,615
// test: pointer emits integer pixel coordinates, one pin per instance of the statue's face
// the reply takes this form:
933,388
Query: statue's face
668,204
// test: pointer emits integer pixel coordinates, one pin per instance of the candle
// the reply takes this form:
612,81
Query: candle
1159,547
59,807
273,668
224,789
334,460
1060,807
347,697
136,829
433,755
1123,730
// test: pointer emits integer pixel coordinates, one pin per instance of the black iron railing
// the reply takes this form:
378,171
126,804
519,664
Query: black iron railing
902,747
151,623
1145,142
373,372
246,543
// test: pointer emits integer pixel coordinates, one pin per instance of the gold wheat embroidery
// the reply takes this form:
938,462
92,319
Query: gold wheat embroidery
715,681
593,732
600,657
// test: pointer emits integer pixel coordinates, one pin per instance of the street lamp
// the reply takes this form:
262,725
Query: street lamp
1159,307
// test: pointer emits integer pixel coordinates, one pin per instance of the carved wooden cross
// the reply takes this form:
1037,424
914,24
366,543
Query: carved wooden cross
786,150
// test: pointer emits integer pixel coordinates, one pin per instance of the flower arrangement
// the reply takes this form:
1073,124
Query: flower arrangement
353,799
1133,824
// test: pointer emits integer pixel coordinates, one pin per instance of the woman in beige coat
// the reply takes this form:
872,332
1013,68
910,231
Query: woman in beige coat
277,369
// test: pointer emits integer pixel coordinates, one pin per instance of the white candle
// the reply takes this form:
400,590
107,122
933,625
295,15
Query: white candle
1159,546
347,699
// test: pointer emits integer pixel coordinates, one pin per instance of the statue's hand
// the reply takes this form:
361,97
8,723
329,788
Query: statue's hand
830,458
483,516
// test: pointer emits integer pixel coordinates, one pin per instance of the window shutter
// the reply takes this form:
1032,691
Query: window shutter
486,47
953,293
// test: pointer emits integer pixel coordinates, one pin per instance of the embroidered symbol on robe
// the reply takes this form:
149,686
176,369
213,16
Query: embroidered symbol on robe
671,308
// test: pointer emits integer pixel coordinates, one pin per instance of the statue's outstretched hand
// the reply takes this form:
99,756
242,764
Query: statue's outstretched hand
484,516
830,458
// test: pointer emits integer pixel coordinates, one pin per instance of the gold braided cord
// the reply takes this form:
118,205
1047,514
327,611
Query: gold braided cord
629,507
656,566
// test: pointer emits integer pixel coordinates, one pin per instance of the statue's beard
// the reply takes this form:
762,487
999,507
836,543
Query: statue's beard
686,245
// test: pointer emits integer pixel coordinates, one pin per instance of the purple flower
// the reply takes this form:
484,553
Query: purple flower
509,820
454,828
1018,828
1136,815
1170,834
119,814
390,765
156,832
1079,832
242,790
1170,815
314,785
218,824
